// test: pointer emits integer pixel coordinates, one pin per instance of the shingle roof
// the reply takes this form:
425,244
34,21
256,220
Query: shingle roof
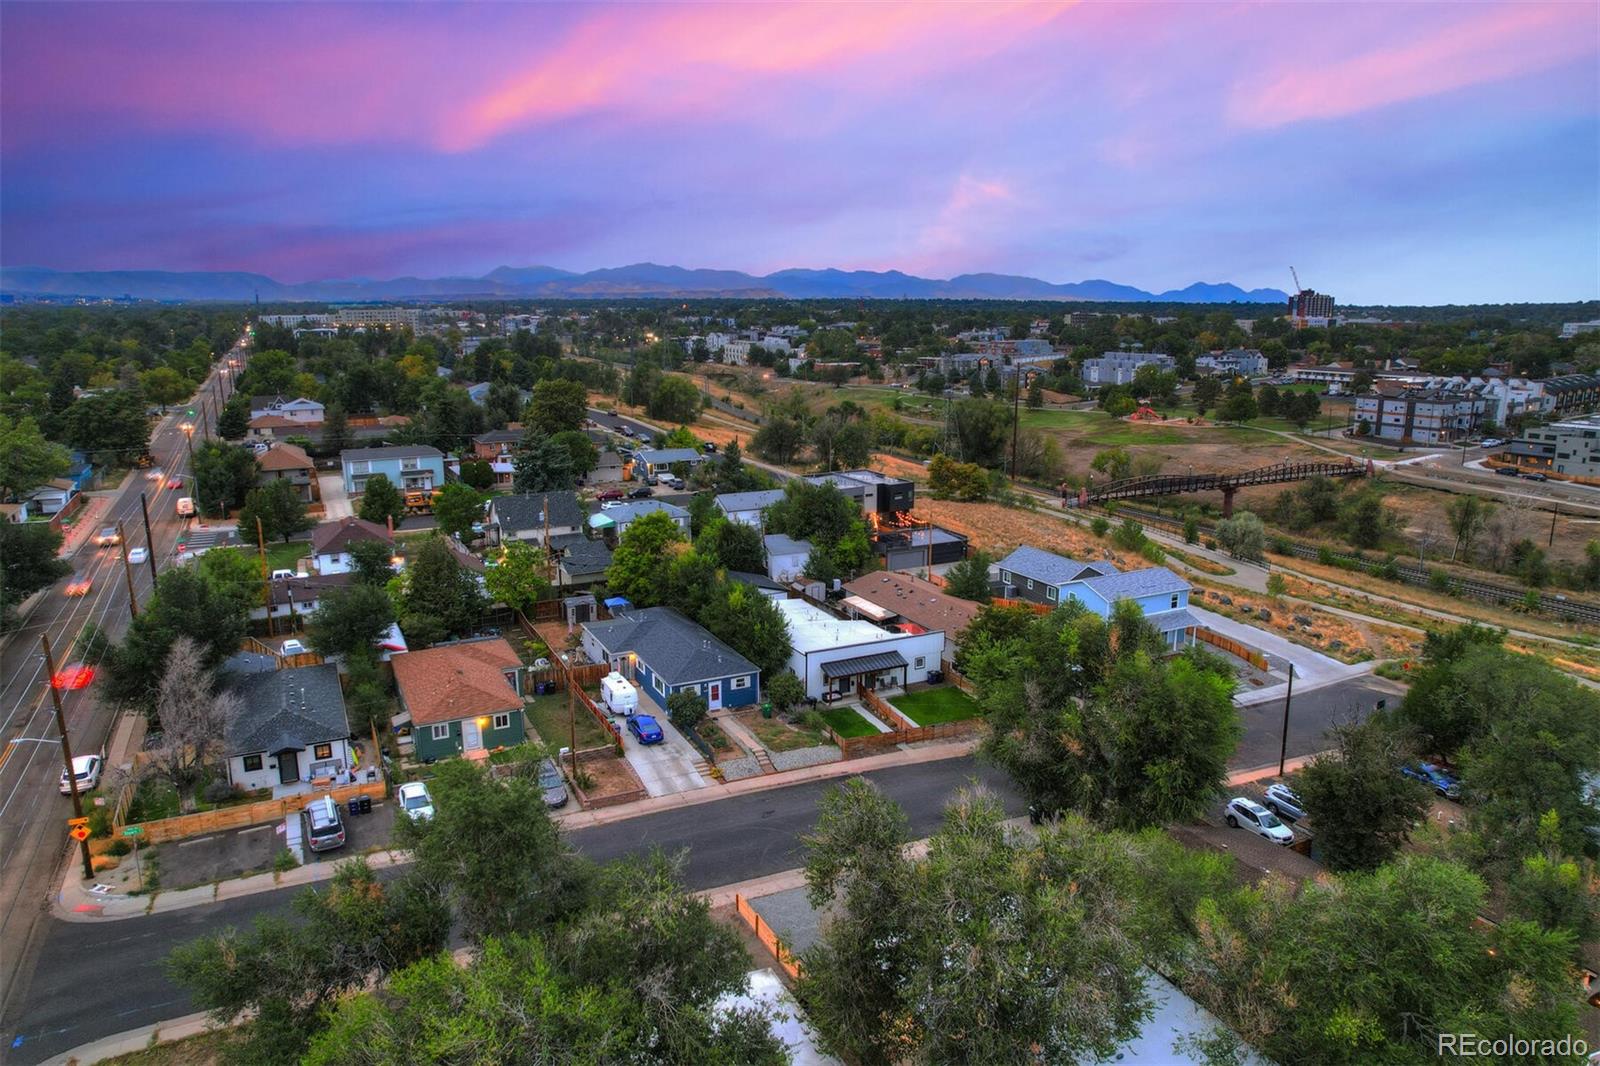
1167,621
580,555
674,648
526,510
498,436
331,538
1049,567
783,544
398,451
623,513
285,457
915,600
302,591
282,709
659,456
275,422
457,681
748,501
1152,582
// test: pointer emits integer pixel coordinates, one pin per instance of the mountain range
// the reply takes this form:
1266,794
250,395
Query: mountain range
637,280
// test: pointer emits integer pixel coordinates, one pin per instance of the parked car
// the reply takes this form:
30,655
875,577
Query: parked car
551,782
610,494
1248,814
1536,476
640,494
80,586
646,728
86,768
709,447
1493,442
1506,471
293,647
323,825
415,801
1281,800
1435,777
108,536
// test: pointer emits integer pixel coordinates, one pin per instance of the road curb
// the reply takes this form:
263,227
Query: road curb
134,1040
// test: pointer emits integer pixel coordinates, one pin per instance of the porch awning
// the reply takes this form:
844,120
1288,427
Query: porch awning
1167,621
864,664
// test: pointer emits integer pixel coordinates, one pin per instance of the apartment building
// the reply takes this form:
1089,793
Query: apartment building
1569,449
1423,416
1118,368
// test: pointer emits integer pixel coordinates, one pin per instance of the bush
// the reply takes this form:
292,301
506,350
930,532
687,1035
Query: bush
812,719
218,790
1389,570
1325,557
1438,580
685,709
284,861
100,821
1191,529
1129,535
119,847
1152,553
1099,527
784,690
1283,545
1276,586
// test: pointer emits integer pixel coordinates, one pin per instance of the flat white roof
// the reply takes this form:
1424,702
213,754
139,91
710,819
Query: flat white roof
813,629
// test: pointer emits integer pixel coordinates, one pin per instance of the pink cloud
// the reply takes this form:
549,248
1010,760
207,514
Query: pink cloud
667,60
1490,44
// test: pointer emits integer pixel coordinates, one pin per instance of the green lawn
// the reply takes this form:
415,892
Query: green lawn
847,723
280,556
547,716
934,705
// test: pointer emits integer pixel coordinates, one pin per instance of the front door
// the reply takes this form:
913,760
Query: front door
714,700
471,735
288,767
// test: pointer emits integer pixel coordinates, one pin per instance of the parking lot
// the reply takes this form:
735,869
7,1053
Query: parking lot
240,852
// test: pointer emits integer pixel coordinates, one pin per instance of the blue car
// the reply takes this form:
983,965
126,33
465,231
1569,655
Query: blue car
646,729
1435,777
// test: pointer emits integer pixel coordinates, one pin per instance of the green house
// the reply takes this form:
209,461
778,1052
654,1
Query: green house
463,698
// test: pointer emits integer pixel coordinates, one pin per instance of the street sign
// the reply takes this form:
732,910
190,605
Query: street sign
133,831
80,832
77,821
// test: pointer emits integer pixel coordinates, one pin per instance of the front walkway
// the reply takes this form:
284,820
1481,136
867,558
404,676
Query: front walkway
335,503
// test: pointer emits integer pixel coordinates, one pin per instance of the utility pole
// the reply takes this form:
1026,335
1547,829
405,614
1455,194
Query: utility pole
144,505
66,751
266,578
127,571
1283,748
1555,512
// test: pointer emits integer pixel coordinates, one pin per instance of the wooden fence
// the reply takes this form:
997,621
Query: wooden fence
878,743
577,692
305,658
882,709
960,680
1232,647
1036,608
765,934
188,825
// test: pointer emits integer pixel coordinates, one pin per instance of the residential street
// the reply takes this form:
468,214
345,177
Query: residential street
32,812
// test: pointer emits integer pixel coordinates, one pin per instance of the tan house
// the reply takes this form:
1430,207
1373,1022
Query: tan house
286,462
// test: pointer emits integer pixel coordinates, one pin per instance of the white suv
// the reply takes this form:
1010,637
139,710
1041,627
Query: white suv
1248,814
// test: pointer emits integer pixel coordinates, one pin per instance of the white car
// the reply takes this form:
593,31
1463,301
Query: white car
86,768
293,647
155,474
137,555
1493,442
1248,814
415,801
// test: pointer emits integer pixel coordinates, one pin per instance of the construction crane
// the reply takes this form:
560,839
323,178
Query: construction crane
1297,286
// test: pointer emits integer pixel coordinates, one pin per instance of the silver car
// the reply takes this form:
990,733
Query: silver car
554,786
1283,801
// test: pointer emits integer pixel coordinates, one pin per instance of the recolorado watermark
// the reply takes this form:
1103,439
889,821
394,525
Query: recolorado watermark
1475,1045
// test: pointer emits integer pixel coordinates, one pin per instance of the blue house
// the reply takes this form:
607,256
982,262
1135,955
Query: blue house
663,652
414,467
1043,577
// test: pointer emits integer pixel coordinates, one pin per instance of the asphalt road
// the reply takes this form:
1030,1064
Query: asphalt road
1311,715
96,979
33,840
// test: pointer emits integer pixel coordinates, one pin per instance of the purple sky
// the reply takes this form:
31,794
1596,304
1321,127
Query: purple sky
1395,152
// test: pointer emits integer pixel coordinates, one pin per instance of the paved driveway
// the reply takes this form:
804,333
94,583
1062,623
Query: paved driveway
667,767
335,503
1310,667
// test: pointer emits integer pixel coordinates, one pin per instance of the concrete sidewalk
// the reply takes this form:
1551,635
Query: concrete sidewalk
78,901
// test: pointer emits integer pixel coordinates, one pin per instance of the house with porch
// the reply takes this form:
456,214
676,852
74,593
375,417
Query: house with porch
298,597
51,497
663,652
653,462
410,467
290,729
286,462
618,516
833,655
496,448
1038,576
461,699
579,561
534,516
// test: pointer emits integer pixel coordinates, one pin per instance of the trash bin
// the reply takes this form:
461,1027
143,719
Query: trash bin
355,806
766,710
366,804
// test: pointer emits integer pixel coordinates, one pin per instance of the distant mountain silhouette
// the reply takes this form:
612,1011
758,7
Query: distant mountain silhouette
638,279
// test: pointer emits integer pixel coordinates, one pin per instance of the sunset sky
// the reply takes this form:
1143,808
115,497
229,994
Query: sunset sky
1396,152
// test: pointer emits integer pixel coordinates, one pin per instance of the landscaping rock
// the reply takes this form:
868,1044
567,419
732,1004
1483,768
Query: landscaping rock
801,757
1302,620
1335,645
1226,601
1264,614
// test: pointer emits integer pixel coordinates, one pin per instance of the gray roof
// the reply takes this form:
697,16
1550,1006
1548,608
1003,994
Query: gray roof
286,709
864,664
1152,582
674,648
498,436
526,511
1167,621
580,555
627,511
398,451
760,581
658,456
728,502
1049,567
302,591
783,544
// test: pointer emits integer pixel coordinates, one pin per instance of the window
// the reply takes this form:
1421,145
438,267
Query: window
1005,577
1030,583
252,763
322,751
919,663
360,466
441,732
741,682
408,463
1050,593
1175,597
655,682
501,721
